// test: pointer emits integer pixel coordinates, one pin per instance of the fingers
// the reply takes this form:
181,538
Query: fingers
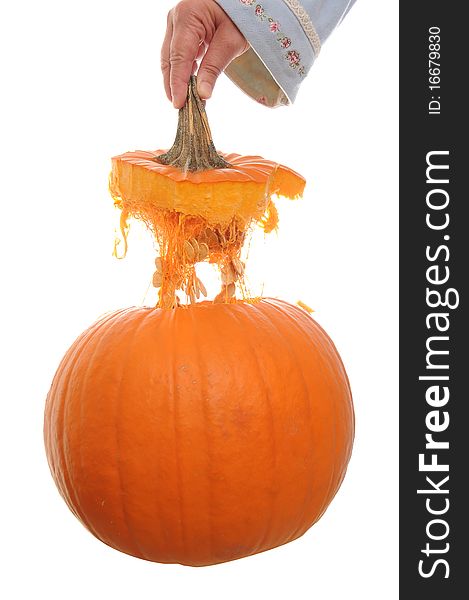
182,54
165,64
224,47
189,30
182,47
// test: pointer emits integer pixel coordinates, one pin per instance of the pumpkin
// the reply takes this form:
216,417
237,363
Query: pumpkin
200,434
202,431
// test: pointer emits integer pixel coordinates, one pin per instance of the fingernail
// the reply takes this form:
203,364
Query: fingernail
204,89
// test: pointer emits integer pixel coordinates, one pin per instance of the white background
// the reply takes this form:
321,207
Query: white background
80,83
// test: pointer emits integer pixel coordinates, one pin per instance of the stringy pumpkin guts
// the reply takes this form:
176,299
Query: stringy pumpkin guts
199,204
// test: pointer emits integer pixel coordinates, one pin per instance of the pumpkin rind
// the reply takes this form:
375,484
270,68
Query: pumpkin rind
200,434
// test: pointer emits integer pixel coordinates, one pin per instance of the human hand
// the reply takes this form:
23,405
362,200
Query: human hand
197,29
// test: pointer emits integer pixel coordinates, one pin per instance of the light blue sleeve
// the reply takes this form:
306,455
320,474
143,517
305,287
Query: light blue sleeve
285,38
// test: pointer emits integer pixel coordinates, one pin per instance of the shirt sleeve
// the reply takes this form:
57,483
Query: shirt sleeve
285,38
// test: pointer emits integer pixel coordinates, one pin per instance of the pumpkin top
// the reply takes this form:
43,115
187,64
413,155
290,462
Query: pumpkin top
194,179
198,203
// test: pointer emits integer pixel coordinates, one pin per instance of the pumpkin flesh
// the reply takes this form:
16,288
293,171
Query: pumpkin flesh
218,195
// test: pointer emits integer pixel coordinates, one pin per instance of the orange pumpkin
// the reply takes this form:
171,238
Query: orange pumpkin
200,434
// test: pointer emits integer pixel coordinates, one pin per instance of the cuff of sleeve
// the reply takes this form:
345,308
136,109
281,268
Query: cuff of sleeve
283,44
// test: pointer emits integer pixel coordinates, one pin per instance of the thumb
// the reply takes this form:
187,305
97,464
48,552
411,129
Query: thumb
221,51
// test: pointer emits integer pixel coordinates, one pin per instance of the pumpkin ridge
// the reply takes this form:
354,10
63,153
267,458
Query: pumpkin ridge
295,361
207,430
118,462
52,412
332,473
297,530
271,425
113,323
62,394
58,386
234,320
336,477
174,394
332,356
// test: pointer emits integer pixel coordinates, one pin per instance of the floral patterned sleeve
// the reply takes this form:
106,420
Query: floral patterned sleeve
285,38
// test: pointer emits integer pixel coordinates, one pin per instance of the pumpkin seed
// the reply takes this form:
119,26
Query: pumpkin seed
157,279
195,244
238,265
227,292
168,300
202,288
230,290
228,274
212,238
158,264
189,250
203,251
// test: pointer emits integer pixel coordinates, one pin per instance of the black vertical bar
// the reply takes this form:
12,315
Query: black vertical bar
434,259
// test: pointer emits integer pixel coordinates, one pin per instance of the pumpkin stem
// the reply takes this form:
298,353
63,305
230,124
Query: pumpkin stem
193,149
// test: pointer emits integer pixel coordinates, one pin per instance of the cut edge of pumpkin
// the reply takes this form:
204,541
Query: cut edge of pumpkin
217,201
